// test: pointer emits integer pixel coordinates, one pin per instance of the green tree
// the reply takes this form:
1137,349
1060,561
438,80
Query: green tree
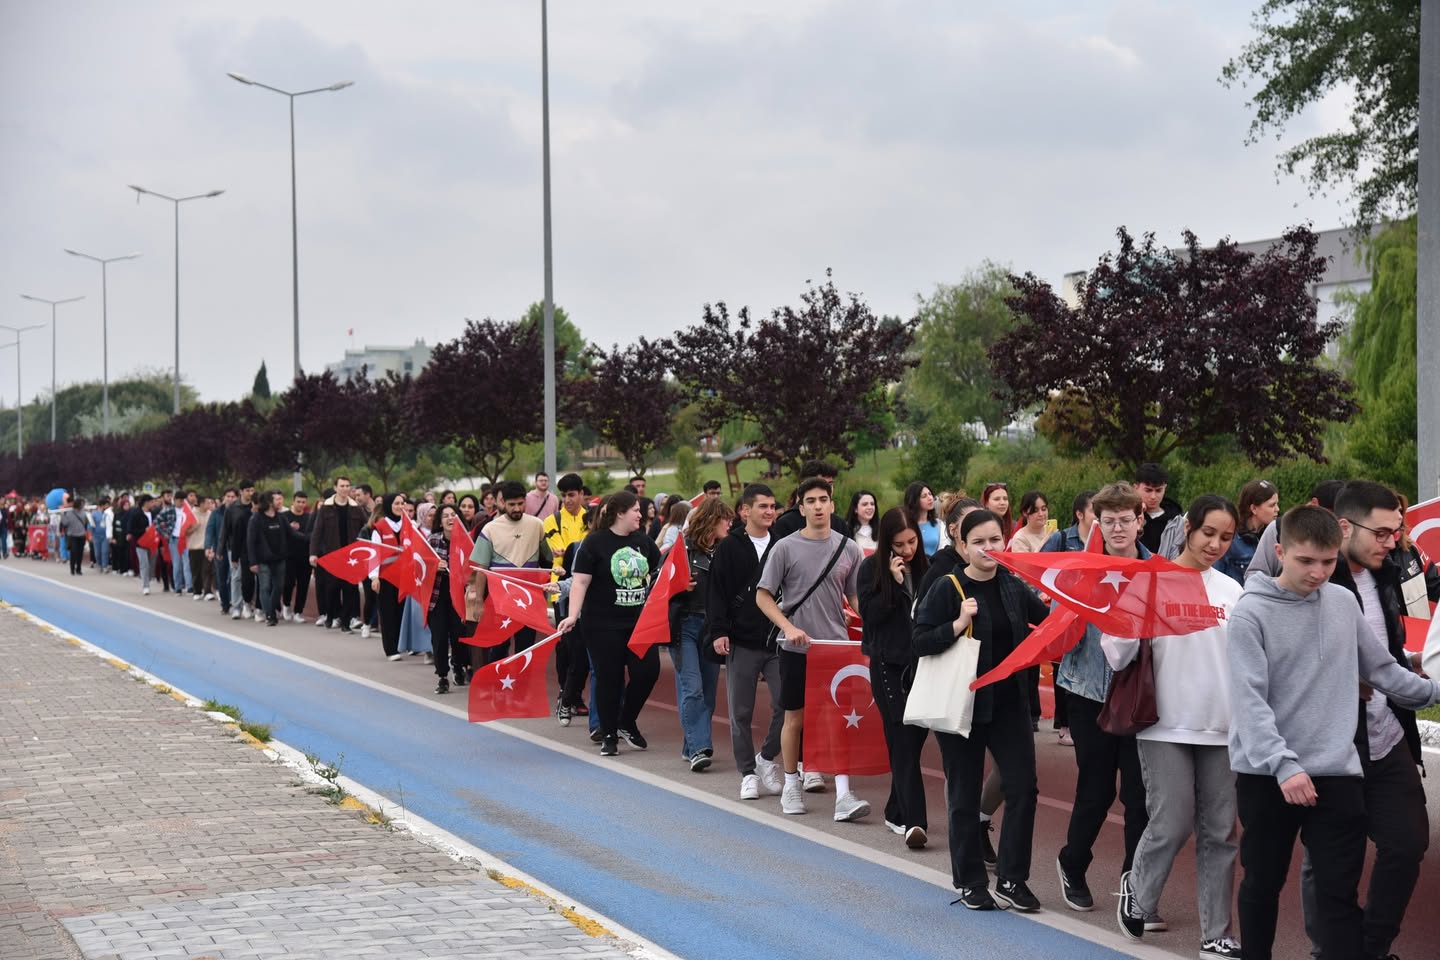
1378,350
1369,49
260,390
687,472
941,454
567,335
958,325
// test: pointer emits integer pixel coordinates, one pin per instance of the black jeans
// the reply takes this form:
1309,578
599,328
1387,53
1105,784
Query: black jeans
1333,832
75,548
612,660
391,610
297,583
906,804
446,626
339,600
1010,741
1099,757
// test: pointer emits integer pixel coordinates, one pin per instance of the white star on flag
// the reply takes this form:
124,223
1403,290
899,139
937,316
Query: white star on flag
507,683
852,719
1115,578
353,562
504,623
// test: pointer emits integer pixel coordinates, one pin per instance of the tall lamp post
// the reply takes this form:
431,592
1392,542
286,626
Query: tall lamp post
175,201
53,352
19,405
549,321
294,220
104,327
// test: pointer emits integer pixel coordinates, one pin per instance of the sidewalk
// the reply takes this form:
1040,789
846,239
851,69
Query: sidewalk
133,826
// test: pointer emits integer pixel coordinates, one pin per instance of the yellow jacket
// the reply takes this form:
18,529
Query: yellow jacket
563,528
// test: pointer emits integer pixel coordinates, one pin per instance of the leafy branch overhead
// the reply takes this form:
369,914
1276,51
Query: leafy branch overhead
627,399
807,376
1167,350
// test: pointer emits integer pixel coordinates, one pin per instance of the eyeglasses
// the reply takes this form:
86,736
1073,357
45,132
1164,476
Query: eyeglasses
1382,534
1118,523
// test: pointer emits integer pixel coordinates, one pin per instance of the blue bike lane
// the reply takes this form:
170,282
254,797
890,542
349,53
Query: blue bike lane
693,878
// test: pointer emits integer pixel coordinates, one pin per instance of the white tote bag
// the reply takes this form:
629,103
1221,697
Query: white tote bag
941,698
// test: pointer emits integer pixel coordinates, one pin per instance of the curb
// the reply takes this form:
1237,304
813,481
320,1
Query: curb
372,805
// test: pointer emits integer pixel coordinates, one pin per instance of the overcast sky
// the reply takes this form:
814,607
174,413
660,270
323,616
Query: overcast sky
702,151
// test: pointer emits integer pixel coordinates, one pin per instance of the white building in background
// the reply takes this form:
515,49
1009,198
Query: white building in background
1345,274
379,361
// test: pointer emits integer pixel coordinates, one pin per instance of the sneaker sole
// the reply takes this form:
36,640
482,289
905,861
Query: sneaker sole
916,838
1120,916
700,764
1005,903
1060,873
794,813
978,907
863,810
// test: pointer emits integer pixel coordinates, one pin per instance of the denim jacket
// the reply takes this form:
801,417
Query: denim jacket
1084,671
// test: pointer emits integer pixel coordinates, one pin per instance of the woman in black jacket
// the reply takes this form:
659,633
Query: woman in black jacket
886,585
999,608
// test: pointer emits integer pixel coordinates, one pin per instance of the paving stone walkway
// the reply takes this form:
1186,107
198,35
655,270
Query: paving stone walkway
134,827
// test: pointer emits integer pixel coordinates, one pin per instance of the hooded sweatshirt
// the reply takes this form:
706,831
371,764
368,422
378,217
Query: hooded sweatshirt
1295,668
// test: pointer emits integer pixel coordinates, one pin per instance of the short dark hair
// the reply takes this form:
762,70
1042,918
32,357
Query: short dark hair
753,490
1153,474
1359,497
1325,493
710,485
246,485
812,483
366,489
635,479
301,493
542,473
1081,503
1310,524
143,499
163,492
817,468
231,490
342,477
569,482
512,490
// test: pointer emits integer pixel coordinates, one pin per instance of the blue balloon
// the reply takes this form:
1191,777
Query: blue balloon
54,498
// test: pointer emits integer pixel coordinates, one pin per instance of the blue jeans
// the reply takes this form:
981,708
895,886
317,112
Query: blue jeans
222,579
102,551
695,679
179,566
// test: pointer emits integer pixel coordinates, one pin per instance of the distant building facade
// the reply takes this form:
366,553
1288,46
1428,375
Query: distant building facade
377,362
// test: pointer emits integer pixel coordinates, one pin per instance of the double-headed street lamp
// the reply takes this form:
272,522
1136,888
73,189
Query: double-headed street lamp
294,222
19,406
176,201
53,351
104,327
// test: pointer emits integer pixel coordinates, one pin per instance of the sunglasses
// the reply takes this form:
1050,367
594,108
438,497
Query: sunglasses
998,485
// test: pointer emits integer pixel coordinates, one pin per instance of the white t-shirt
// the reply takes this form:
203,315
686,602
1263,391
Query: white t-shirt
759,543
1381,727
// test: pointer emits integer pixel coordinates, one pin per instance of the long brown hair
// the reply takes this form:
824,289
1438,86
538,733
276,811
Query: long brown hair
895,522
703,521
612,507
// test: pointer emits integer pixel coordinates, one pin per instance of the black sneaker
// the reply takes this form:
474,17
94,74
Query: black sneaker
975,898
1074,891
562,713
597,735
1225,947
460,678
1132,924
1014,893
634,738
700,761
442,685
987,849
610,748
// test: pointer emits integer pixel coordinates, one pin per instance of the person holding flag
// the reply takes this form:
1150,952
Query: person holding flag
1184,757
513,541
999,608
612,570
447,623
141,532
385,529
697,672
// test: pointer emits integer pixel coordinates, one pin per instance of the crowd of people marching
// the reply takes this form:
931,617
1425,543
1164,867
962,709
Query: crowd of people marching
1307,611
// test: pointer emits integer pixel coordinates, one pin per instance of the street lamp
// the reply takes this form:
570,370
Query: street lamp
294,222
176,201
19,406
549,309
53,351
104,327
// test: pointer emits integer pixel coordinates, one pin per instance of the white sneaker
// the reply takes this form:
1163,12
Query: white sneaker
235,613
749,787
814,781
895,828
429,658
145,591
284,613
209,596
771,779
259,616
355,623
792,799
196,596
298,618
321,622
849,807
365,631
393,656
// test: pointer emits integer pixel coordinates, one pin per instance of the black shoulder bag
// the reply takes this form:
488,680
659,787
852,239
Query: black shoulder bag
770,638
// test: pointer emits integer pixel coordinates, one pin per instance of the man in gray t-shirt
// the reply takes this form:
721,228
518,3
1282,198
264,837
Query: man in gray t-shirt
792,567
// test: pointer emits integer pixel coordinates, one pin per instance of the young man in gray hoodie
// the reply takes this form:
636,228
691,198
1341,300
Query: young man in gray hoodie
1299,647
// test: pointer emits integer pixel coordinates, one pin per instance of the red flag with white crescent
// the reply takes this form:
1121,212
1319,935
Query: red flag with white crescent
35,541
1423,522
513,688
844,732
511,604
461,546
186,519
150,539
653,626
353,561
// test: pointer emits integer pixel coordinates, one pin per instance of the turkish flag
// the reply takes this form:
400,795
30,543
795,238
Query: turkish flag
150,539
513,688
1121,596
35,541
674,578
1416,629
352,563
843,728
510,605
1423,521
695,500
853,626
186,519
413,573
459,561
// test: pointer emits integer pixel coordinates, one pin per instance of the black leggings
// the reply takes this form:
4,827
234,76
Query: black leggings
76,550
619,703
390,611
446,626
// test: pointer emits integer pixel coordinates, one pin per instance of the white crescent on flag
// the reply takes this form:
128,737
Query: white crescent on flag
420,567
1048,580
849,670
521,597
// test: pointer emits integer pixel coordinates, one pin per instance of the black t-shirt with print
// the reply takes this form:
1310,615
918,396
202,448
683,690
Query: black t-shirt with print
620,569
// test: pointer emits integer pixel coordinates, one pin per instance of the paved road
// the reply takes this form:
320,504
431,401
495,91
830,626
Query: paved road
135,828
493,786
